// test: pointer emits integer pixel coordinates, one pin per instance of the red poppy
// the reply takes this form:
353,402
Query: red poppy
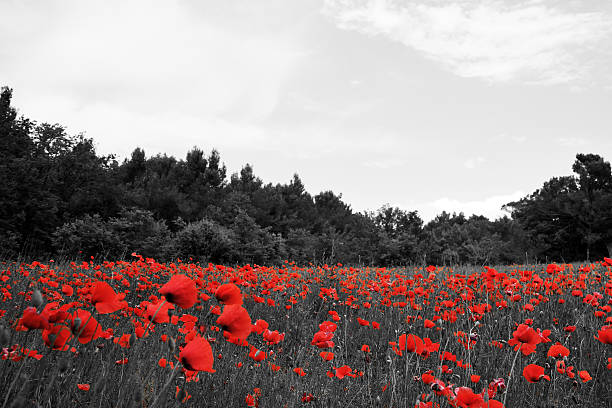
466,398
104,298
558,350
534,373
159,311
327,355
259,326
83,387
180,290
605,335
526,338
257,354
236,322
88,328
197,355
229,294
584,376
344,371
67,290
57,336
32,320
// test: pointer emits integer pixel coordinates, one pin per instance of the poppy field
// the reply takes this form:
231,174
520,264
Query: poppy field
140,333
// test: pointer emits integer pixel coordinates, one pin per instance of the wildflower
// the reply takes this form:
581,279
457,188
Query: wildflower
534,373
180,290
197,355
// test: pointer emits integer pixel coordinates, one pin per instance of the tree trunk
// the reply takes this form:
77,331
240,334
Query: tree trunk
609,245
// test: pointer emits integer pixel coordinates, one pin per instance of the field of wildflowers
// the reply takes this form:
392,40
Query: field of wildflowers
146,334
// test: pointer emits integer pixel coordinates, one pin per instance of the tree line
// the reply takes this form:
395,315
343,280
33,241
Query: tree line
58,196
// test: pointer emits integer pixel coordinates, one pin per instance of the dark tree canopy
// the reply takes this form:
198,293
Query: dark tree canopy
58,195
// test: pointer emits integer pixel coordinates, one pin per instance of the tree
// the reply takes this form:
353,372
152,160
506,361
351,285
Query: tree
570,217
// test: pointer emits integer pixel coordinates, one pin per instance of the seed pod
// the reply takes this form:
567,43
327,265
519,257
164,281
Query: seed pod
5,337
171,344
37,299
132,339
138,395
64,364
181,395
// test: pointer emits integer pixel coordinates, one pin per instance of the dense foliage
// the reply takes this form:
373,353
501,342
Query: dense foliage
58,196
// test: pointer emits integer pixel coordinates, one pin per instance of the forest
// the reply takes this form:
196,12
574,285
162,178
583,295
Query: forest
60,198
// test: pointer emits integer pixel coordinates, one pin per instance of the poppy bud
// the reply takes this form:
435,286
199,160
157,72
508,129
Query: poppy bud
181,394
132,339
171,344
4,336
37,299
64,365
138,395
76,325
18,402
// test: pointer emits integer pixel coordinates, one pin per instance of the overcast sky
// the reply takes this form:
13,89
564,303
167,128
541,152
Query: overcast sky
428,105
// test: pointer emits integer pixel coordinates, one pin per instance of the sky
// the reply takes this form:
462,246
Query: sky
428,105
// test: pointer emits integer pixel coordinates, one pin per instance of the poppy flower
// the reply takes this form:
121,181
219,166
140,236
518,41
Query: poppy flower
327,355
429,324
605,335
85,326
273,337
229,294
584,376
344,371
474,378
534,373
57,336
104,298
83,387
67,290
257,354
558,350
180,290
159,311
32,320
235,321
197,355
525,338
466,398
260,326
299,371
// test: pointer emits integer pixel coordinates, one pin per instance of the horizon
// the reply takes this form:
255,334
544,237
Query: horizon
456,107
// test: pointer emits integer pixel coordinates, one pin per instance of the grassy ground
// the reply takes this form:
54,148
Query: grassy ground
474,312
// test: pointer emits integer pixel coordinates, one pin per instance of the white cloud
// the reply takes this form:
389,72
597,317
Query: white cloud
385,163
473,162
572,141
151,65
489,207
532,41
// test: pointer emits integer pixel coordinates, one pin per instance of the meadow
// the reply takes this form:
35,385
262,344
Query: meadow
140,333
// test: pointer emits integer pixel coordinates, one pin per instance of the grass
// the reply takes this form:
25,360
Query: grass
382,377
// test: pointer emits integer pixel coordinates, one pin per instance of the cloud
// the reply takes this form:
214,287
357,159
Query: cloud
572,141
527,40
385,163
489,207
148,64
473,162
